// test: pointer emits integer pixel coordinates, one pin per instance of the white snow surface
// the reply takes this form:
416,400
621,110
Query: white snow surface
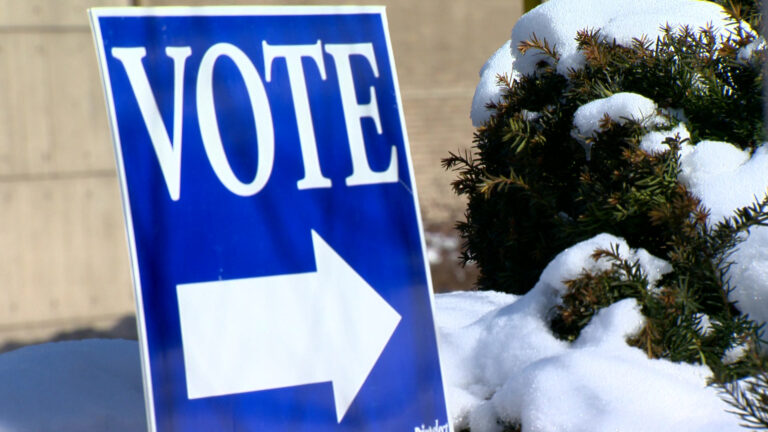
727,178
559,21
653,142
620,107
488,90
506,364
749,274
598,383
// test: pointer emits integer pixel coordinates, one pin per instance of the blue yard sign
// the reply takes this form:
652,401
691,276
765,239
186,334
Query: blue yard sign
276,244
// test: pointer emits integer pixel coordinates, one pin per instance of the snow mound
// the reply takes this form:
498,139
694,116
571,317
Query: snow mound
749,275
507,365
653,142
460,308
725,177
620,107
488,90
610,387
573,261
502,361
613,325
559,21
84,386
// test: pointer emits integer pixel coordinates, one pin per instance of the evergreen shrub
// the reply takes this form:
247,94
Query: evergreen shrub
533,191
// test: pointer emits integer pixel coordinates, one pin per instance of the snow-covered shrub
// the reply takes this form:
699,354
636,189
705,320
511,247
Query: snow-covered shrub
654,136
539,181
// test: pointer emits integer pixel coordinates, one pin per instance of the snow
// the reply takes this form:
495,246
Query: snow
746,54
488,90
506,363
558,22
653,142
749,274
620,107
571,262
598,383
480,357
726,178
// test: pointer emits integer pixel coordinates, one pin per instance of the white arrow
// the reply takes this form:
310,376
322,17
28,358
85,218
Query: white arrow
254,334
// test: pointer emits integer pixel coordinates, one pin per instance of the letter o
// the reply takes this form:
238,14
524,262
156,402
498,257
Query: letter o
209,124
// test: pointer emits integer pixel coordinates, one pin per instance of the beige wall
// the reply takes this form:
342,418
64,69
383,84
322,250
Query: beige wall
63,256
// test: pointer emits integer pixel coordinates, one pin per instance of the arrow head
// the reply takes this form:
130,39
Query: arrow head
362,324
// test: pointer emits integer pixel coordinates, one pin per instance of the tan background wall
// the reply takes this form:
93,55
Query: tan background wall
63,255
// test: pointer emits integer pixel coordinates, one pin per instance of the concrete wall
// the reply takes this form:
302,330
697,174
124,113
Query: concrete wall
63,259
63,255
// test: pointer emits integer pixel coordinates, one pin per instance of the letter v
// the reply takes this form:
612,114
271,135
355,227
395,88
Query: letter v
168,151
